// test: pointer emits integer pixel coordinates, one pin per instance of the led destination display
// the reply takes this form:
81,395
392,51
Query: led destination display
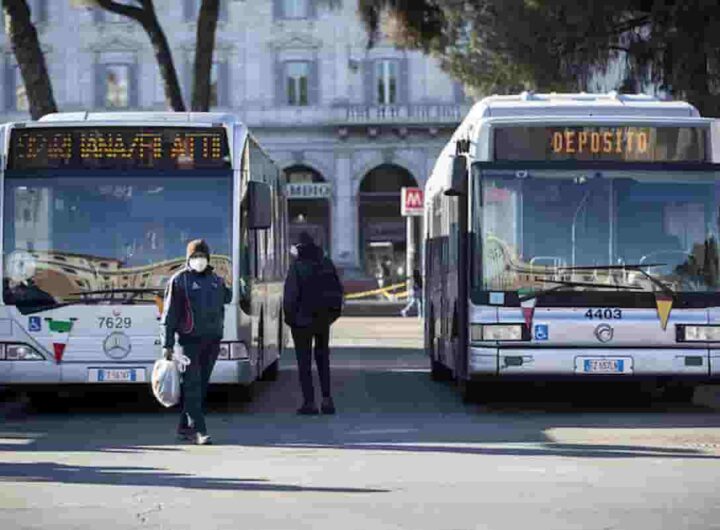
613,143
166,148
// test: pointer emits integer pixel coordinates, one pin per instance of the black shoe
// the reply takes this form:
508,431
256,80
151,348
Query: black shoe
308,410
327,407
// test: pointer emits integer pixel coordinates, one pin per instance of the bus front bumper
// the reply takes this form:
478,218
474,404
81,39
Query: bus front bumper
15,374
627,363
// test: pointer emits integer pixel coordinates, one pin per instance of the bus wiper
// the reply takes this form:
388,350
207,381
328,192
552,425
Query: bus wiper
564,284
638,267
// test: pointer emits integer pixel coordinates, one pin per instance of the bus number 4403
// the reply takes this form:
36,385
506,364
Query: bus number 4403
603,314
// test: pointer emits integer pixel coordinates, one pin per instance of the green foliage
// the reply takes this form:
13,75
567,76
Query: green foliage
501,46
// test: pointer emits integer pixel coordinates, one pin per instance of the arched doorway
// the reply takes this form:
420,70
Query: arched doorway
382,228
308,205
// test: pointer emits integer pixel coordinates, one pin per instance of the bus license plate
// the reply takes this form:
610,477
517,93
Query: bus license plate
116,375
603,366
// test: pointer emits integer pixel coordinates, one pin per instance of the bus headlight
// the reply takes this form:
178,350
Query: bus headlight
233,351
19,352
498,332
698,333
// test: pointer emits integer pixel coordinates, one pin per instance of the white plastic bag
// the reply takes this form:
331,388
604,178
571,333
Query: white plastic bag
165,382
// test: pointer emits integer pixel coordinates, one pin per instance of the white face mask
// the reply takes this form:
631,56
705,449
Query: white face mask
198,264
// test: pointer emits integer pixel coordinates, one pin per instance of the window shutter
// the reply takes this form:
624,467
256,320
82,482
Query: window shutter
134,86
41,16
99,88
9,85
187,78
368,69
98,15
278,11
223,84
280,96
458,92
314,84
312,9
223,14
404,81
189,10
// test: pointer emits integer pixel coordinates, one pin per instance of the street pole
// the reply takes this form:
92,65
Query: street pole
410,252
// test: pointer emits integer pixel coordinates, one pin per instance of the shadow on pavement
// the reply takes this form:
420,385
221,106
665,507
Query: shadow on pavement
386,402
146,476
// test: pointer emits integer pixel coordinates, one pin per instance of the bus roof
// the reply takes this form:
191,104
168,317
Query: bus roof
135,118
579,105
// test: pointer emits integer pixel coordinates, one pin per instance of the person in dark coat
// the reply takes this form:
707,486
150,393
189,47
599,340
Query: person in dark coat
194,310
312,302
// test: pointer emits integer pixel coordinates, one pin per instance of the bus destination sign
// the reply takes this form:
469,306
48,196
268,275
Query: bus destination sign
160,148
613,143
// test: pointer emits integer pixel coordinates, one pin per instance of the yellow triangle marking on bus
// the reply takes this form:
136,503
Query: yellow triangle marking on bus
664,305
159,303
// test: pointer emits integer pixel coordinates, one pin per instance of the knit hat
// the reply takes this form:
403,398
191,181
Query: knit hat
197,246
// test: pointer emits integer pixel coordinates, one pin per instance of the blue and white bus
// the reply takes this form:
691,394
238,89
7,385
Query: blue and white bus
575,236
97,209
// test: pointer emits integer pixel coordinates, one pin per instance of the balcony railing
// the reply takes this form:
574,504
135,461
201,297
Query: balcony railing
353,114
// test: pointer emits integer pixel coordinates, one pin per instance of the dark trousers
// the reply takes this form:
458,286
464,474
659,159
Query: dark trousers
303,339
195,382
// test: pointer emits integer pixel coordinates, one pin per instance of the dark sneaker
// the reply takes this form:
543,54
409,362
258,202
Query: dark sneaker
308,410
202,439
327,407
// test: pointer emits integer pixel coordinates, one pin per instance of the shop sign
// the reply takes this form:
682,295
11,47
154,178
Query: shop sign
412,201
309,190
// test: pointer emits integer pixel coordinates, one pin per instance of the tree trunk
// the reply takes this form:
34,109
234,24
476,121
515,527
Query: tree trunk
173,94
30,59
147,18
205,45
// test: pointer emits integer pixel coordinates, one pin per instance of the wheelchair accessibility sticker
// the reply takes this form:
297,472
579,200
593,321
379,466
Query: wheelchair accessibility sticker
34,324
541,332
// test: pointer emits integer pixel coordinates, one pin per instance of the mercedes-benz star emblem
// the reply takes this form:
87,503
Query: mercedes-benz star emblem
604,332
117,345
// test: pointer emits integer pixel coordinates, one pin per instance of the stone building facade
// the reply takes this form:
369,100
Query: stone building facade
350,125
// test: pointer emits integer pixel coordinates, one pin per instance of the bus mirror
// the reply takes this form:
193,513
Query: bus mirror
458,177
259,203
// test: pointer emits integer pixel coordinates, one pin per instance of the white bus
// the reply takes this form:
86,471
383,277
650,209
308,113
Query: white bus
575,236
97,210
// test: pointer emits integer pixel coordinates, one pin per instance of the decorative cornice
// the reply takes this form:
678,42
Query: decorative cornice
117,43
295,41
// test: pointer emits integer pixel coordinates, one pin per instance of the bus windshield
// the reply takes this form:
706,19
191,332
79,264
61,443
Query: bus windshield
105,238
588,230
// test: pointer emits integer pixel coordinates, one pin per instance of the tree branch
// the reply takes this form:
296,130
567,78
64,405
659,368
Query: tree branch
135,13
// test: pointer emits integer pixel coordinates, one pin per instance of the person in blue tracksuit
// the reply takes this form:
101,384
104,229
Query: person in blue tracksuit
194,311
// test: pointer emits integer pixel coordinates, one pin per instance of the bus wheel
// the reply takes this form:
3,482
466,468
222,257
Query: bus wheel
438,371
242,393
271,372
472,391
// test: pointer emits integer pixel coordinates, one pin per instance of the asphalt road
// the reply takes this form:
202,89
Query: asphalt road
402,452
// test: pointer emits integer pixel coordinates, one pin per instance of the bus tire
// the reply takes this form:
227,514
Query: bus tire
471,391
438,371
242,393
271,372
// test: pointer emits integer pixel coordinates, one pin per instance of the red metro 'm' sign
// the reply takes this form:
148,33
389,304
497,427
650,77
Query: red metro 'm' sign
412,201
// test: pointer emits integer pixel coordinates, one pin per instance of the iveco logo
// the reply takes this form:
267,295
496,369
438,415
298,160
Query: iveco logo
604,332
117,345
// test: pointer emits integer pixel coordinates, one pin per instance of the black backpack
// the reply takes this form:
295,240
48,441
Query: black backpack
325,290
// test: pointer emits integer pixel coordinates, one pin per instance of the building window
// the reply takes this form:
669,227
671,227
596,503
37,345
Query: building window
297,76
117,86
386,79
21,99
295,8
